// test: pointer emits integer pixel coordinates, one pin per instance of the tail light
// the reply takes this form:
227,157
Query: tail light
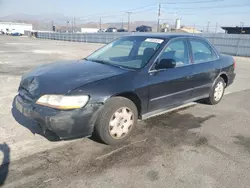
234,63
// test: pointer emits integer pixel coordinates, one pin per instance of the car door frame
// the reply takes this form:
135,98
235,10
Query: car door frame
152,71
205,88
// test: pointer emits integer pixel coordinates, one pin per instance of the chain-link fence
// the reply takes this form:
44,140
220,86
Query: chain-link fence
232,44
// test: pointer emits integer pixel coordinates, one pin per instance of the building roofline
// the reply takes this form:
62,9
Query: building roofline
15,23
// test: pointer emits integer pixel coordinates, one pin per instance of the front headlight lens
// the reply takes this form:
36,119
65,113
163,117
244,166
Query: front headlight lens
63,102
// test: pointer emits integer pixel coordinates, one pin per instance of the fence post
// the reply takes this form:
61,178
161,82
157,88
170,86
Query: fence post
238,46
214,38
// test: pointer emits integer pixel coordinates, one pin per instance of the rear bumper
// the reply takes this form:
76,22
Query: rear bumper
65,124
231,78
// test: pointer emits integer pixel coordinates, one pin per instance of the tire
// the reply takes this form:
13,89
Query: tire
212,99
112,122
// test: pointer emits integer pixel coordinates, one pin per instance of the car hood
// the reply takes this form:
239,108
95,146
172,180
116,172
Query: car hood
62,77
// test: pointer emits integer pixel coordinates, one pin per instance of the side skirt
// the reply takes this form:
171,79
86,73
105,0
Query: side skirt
184,104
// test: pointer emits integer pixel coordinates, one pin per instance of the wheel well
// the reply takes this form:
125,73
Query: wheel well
225,78
134,98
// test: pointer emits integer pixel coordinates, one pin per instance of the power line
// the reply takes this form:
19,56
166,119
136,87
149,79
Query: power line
210,7
122,11
231,13
147,10
214,13
193,2
146,6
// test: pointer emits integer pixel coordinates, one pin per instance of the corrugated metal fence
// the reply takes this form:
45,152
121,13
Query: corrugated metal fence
238,45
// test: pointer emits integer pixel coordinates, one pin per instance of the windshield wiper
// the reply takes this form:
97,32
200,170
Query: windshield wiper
107,63
97,61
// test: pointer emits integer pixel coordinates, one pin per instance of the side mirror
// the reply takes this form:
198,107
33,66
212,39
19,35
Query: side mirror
165,64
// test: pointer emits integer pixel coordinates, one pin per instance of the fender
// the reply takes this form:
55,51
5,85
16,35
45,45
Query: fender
221,73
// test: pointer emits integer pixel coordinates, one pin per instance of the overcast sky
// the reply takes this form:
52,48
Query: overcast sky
192,12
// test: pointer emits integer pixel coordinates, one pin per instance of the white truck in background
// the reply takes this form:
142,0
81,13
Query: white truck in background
90,30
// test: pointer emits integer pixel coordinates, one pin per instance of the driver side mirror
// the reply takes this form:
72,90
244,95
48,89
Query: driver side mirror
165,64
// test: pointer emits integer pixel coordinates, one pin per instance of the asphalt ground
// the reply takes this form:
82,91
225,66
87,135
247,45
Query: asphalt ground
197,146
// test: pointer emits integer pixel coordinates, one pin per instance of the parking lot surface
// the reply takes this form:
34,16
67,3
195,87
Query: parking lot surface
197,146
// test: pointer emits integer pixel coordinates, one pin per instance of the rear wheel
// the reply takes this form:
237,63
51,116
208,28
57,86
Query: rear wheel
217,92
116,121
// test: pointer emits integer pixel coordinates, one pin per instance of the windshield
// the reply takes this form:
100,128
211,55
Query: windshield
130,52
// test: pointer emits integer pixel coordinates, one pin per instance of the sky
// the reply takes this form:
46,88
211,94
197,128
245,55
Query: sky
199,13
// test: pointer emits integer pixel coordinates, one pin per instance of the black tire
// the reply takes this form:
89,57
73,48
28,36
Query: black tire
211,99
102,123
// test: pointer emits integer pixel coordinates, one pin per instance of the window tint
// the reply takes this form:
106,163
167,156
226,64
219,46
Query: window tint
178,51
202,52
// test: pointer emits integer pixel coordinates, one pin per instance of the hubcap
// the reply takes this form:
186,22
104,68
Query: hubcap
121,123
219,89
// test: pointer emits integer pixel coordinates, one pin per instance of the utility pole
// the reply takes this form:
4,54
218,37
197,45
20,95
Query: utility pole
100,24
52,23
208,25
129,13
241,25
158,17
216,27
72,25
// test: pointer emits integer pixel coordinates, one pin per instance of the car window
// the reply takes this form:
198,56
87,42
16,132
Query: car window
202,51
144,45
121,50
178,51
129,52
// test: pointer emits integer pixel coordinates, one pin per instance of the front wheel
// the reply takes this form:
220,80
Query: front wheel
116,121
217,92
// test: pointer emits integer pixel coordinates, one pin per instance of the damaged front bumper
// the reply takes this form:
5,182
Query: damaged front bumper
66,124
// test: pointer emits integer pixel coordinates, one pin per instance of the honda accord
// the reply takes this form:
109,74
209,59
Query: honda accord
134,77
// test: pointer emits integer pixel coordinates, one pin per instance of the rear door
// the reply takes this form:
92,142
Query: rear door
171,87
206,67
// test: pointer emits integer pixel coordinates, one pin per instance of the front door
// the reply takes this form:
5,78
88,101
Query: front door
172,86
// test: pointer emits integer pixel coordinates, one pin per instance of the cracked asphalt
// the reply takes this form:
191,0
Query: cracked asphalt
196,146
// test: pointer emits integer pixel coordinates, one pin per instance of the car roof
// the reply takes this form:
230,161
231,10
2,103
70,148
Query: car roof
166,35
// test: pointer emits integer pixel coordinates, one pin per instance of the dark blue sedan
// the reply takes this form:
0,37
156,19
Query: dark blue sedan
134,77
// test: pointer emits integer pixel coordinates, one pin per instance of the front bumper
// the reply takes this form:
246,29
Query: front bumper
65,124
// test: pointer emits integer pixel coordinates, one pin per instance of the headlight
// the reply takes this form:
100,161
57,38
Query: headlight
63,102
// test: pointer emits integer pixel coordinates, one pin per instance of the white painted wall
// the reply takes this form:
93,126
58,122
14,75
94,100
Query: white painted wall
18,27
